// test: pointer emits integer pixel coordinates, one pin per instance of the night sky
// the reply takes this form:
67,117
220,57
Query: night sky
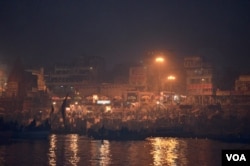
44,32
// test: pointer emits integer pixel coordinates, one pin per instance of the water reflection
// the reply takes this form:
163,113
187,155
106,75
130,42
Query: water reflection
105,153
64,149
80,150
100,152
73,147
167,151
52,149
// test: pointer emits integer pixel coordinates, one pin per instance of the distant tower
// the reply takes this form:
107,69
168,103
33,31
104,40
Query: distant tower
3,77
15,82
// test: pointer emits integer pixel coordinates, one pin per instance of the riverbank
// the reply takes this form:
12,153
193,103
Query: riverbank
227,123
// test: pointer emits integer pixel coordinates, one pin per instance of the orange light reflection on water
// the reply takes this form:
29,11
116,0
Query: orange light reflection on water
105,153
100,152
74,159
166,152
52,154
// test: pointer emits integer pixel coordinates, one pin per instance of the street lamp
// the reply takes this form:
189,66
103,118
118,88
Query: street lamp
202,90
159,60
171,79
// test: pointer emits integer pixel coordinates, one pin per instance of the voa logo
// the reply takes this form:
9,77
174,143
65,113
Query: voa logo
236,157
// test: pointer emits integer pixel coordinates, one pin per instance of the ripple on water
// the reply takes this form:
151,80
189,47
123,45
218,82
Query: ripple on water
75,150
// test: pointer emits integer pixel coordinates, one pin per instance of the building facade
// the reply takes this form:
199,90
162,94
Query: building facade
243,83
3,77
25,91
138,77
199,79
68,78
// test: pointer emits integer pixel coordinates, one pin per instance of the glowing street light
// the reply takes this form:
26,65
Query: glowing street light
159,59
171,78
202,90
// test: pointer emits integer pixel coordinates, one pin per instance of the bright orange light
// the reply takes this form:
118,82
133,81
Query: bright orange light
171,77
159,59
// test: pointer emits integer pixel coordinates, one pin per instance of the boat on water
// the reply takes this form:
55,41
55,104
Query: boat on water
40,134
122,134
33,131
7,136
13,131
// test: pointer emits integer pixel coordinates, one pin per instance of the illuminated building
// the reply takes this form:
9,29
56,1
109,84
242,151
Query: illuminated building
3,77
243,83
86,70
25,90
199,79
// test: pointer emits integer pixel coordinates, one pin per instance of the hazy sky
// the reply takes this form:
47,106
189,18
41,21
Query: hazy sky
46,31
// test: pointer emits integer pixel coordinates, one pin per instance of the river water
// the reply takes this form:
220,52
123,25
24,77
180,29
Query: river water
72,149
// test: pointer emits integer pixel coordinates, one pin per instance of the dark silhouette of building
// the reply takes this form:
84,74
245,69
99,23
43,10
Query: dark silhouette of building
69,77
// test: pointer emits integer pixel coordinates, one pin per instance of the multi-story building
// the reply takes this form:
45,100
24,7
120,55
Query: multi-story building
138,77
240,94
67,78
39,74
243,83
199,79
25,91
16,83
3,77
